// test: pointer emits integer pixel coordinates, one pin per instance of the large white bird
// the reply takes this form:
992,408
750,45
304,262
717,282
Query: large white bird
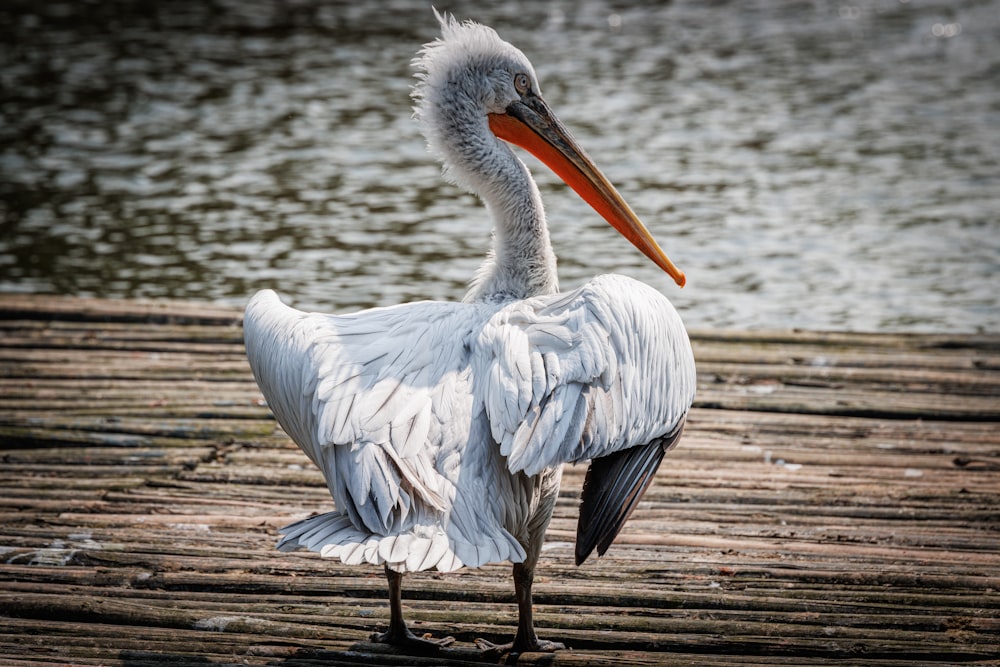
442,427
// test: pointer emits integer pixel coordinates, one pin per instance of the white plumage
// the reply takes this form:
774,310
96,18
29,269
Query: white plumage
441,428
422,415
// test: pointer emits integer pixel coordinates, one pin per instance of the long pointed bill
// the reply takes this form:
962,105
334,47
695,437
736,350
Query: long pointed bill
531,125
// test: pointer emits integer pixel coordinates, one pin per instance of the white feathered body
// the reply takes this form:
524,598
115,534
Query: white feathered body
441,428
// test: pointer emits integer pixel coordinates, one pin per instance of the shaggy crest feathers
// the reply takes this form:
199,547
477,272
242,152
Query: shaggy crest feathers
461,76
462,46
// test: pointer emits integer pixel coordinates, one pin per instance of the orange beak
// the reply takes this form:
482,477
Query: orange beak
531,125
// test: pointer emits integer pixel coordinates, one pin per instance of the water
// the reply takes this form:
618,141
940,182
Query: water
828,165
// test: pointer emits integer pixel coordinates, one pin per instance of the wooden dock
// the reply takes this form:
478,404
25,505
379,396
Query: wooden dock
836,498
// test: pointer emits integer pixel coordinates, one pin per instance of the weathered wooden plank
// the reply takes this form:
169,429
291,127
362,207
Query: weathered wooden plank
179,431
45,308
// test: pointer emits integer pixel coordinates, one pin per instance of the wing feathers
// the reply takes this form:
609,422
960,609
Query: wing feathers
334,536
390,402
610,367
611,490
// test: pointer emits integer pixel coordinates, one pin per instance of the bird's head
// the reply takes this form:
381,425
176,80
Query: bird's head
469,67
470,80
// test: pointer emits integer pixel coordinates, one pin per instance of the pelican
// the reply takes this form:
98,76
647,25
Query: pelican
442,427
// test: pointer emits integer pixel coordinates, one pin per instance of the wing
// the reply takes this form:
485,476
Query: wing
612,489
582,375
367,397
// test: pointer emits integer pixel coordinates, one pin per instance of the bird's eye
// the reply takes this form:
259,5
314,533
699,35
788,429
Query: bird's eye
521,83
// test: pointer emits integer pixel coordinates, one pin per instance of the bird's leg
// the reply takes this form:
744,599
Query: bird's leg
525,639
398,634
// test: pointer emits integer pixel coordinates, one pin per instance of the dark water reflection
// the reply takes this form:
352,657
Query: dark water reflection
814,164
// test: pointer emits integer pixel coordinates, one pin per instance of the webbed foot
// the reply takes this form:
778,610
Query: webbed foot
490,649
406,639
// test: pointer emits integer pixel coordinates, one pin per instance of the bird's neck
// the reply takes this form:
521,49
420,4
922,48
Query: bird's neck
521,263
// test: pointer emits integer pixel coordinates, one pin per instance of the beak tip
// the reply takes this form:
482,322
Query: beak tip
681,280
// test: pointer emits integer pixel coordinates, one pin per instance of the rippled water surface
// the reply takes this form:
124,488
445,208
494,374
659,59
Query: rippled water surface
829,165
